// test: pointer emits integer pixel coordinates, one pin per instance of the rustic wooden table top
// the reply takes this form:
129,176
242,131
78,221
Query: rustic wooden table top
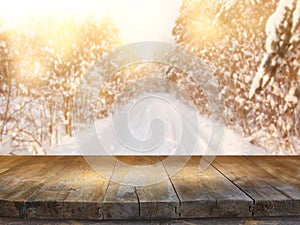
67,187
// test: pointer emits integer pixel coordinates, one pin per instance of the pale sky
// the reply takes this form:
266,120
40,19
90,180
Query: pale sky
142,20
137,20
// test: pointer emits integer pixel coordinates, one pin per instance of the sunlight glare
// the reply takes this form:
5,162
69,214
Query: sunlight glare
137,20
15,12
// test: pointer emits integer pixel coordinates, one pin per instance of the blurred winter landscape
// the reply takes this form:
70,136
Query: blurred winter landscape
252,46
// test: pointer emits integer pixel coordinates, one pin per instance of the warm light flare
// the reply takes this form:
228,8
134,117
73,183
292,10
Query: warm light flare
14,12
137,20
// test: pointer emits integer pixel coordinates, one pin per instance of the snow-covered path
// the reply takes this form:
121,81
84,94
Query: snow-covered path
122,136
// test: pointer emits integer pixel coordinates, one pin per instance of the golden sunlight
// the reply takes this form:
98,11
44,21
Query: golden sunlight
16,11
137,20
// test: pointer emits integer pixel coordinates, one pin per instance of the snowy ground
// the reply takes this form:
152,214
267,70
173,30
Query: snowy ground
121,136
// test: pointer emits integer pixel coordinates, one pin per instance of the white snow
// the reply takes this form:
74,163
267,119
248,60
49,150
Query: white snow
5,148
272,27
291,96
172,112
258,77
276,20
296,16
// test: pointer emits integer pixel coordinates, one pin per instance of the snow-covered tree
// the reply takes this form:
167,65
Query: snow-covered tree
46,59
280,68
230,37
79,45
282,44
5,83
147,77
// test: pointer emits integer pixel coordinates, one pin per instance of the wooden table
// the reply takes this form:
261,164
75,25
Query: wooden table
66,187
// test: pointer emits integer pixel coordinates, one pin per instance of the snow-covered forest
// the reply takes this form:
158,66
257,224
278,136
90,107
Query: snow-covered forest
41,66
253,47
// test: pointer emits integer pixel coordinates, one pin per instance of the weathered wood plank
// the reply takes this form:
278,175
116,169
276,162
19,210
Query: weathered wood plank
158,199
6,160
75,193
286,168
9,162
7,207
206,193
272,196
198,221
132,194
64,187
121,201
19,182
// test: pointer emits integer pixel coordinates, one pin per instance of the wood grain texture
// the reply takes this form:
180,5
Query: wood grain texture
25,176
158,200
9,162
271,196
153,189
121,200
135,193
286,168
199,221
207,193
123,188
75,193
